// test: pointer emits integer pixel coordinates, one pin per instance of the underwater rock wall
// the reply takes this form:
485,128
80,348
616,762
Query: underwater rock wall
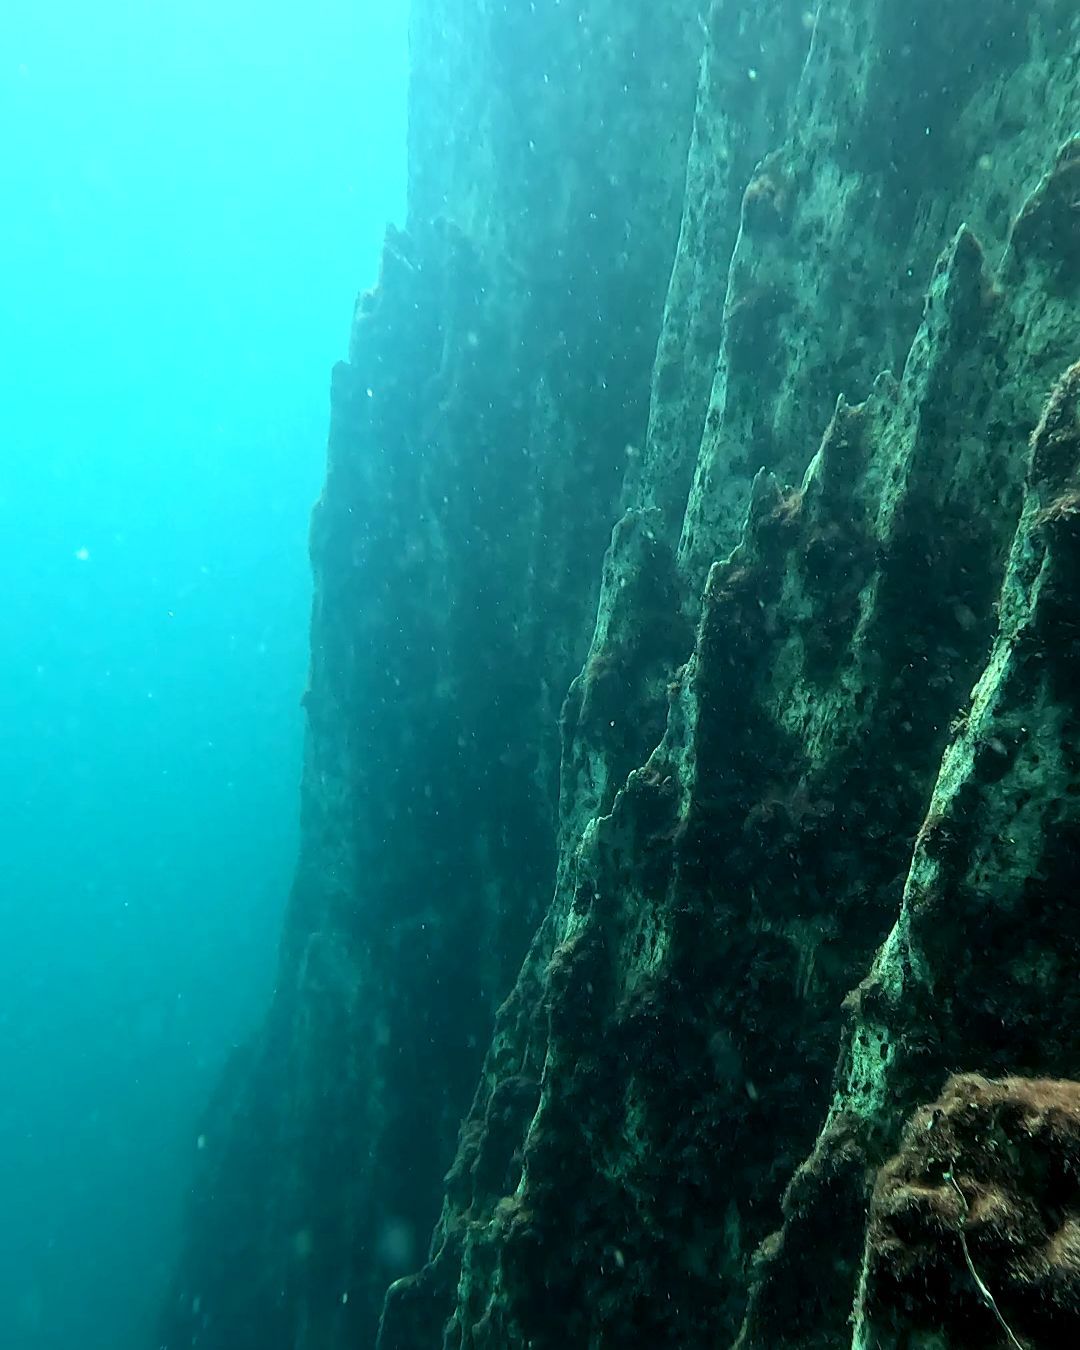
787,294
496,376
749,775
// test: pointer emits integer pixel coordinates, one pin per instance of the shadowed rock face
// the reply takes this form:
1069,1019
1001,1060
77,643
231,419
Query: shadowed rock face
823,738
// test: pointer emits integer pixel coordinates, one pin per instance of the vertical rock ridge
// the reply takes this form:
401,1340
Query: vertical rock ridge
777,303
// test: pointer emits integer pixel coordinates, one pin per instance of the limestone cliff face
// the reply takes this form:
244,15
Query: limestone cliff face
788,295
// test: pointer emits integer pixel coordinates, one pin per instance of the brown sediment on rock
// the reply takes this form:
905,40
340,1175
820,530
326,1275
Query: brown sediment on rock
974,1225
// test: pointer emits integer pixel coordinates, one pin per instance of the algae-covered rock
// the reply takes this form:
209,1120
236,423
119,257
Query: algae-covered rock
778,304
980,969
973,1236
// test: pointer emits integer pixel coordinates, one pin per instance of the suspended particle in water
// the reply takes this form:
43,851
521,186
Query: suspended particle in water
397,1244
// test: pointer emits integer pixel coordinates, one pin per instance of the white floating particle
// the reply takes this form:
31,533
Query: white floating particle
83,554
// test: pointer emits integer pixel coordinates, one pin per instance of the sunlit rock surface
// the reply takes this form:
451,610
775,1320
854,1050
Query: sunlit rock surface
753,829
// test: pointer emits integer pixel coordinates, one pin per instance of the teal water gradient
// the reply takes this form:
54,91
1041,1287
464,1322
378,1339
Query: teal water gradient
193,193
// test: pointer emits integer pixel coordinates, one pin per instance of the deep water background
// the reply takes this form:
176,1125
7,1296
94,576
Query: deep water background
193,192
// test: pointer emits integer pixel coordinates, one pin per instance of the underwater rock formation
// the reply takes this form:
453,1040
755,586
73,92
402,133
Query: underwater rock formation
479,430
803,841
991,1168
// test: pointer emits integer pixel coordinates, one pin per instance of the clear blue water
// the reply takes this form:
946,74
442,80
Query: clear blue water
194,194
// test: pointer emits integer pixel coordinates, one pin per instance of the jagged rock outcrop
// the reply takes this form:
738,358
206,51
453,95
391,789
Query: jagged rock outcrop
981,966
822,740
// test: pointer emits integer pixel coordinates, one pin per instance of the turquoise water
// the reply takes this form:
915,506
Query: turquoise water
194,193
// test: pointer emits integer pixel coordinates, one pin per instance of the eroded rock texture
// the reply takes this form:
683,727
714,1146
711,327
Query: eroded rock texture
813,787
990,1172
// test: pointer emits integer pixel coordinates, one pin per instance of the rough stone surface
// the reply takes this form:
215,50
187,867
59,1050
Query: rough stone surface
908,121
974,1229
980,967
814,782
